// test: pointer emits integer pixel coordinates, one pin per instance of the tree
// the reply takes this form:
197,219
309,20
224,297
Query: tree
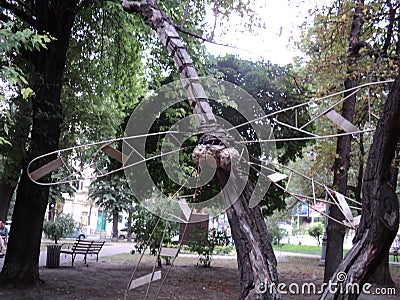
336,231
15,94
46,78
316,230
380,215
256,259
349,45
274,89
114,196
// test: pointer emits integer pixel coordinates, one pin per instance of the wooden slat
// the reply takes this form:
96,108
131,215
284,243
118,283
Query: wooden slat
145,280
46,169
277,177
341,121
172,252
112,152
185,208
344,206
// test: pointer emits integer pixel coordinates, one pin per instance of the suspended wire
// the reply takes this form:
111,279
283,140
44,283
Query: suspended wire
309,102
301,200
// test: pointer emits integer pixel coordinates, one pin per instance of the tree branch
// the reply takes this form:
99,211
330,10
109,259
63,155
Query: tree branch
17,12
185,13
207,40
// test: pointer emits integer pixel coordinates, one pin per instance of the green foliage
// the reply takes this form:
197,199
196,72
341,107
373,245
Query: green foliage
328,63
224,250
103,78
112,194
143,225
274,88
276,234
61,226
316,230
204,242
12,41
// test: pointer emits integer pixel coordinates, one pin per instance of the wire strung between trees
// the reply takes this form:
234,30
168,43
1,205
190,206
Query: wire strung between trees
301,200
295,107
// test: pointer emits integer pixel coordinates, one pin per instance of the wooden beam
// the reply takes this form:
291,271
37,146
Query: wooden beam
172,252
46,169
341,121
112,152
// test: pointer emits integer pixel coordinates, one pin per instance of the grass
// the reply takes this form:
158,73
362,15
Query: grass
304,249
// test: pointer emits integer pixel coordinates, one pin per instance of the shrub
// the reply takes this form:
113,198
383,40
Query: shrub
203,243
61,226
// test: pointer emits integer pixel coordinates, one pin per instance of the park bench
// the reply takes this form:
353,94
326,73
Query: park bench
83,247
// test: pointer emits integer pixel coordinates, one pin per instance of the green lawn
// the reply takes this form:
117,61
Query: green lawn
298,249
301,249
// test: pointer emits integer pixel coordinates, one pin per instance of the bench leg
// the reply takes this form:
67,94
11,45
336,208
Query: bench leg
73,259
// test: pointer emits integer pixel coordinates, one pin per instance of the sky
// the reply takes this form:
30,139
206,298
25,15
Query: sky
276,42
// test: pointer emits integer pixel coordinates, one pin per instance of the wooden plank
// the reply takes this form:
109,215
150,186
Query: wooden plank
277,177
172,252
344,206
145,279
341,121
46,169
112,152
185,208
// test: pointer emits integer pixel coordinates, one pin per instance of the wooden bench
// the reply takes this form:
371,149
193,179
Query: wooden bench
83,247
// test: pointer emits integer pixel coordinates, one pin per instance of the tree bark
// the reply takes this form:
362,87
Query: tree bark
380,214
336,231
256,260
21,262
7,189
115,226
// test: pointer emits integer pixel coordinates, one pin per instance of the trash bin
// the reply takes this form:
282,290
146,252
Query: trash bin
53,256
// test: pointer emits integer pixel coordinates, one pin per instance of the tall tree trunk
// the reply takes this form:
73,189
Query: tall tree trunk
7,189
16,153
115,226
336,231
21,262
256,260
382,275
380,214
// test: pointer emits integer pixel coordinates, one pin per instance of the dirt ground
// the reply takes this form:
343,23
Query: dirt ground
108,279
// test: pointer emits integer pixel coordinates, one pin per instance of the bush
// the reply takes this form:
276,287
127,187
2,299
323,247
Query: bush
203,243
61,226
